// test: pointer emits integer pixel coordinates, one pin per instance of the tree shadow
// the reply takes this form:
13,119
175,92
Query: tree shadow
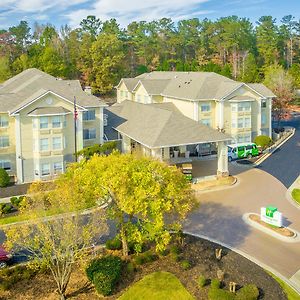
216,221
86,288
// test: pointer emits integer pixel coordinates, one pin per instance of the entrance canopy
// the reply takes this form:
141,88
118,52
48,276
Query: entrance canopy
159,125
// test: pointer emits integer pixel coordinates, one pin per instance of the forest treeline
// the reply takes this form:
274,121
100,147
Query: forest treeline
100,53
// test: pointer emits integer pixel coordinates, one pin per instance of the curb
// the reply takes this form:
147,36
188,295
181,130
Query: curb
266,155
293,239
294,286
288,193
219,188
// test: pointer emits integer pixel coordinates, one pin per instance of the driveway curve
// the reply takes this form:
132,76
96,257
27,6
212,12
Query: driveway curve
219,217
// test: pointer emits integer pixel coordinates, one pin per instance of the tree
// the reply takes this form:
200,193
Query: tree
21,35
5,71
91,25
107,55
58,242
4,178
146,197
282,85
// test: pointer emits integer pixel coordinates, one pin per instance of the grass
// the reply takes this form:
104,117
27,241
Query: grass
290,293
296,195
157,286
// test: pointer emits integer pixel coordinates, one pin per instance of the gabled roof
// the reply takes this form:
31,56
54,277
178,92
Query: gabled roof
49,111
153,86
194,85
30,84
160,125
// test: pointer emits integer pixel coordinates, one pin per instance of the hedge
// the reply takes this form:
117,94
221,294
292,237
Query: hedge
4,178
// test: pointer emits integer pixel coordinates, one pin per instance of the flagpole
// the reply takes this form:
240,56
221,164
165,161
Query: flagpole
75,128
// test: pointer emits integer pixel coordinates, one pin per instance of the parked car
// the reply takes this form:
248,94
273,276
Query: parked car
5,257
245,150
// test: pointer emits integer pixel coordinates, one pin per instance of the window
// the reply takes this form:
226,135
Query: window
138,98
263,103
249,147
44,145
89,115
245,106
57,167
205,122
4,141
240,122
56,122
43,122
105,119
263,119
241,148
146,99
89,134
45,169
247,122
3,121
56,143
233,123
247,138
5,164
233,107
205,107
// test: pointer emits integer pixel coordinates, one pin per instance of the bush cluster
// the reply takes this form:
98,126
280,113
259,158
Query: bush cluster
249,292
144,258
104,273
113,244
185,264
201,280
10,276
17,201
5,208
4,178
263,140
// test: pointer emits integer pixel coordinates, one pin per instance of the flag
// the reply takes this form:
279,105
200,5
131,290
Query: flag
75,110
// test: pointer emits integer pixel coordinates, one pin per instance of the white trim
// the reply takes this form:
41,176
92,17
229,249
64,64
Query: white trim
238,101
49,115
39,97
19,158
235,89
165,146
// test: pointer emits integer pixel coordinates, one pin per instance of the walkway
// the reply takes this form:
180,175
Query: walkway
220,218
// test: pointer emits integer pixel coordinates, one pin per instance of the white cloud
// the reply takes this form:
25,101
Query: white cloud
134,10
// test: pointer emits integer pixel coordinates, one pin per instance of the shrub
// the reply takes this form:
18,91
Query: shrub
104,273
175,256
263,140
296,195
201,280
215,283
249,292
174,249
5,208
16,201
145,257
130,267
185,264
218,294
113,244
4,178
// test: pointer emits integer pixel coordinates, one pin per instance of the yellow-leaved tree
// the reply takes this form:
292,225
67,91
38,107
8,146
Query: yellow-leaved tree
147,198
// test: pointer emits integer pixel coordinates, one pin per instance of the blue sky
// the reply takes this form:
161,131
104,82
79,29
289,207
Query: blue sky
59,12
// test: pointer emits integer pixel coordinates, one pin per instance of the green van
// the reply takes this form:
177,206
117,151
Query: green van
245,150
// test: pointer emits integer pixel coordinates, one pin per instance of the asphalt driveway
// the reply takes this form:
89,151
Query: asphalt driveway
220,218
284,163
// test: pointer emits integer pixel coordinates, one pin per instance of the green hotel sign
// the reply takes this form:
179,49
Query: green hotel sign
270,210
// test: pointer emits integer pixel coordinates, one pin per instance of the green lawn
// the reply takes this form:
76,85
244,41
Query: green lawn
291,294
157,286
296,195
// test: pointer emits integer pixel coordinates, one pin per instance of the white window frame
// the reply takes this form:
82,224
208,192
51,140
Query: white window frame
55,122
42,146
244,106
90,135
43,173
4,141
5,164
54,144
59,170
205,107
4,121
44,123
234,107
247,124
240,121
89,115
206,122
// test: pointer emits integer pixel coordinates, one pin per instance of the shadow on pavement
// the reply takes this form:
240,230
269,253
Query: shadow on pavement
219,222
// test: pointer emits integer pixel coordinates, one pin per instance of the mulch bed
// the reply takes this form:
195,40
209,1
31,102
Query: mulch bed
280,230
200,253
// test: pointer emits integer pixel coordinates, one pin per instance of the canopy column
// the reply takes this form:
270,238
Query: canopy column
222,160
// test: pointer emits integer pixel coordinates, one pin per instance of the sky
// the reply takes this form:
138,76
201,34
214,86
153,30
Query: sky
71,12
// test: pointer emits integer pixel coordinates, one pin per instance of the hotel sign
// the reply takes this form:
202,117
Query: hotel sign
271,215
